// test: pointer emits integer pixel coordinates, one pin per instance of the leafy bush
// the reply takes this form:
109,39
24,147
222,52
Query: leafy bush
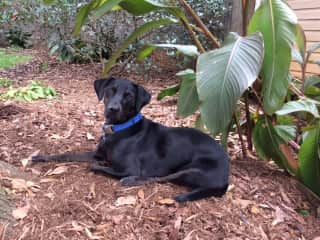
35,90
17,37
5,82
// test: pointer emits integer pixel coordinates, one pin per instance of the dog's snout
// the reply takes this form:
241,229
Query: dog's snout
113,108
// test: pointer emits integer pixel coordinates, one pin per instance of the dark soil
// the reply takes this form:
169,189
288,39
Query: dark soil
73,203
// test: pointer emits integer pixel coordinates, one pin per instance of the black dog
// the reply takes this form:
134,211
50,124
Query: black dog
141,151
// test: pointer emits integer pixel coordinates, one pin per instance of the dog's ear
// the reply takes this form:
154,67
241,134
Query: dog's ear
100,85
142,97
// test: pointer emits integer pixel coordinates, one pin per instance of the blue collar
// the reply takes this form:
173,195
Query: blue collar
112,128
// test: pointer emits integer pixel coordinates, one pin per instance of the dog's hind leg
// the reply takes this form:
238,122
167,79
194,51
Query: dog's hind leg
107,171
67,157
201,193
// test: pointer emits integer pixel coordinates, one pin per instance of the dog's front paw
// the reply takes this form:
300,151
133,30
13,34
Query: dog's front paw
131,181
96,167
39,158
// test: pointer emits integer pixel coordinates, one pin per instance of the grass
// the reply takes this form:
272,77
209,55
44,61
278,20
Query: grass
8,60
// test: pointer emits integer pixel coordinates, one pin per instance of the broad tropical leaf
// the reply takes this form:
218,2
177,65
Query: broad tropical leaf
140,7
169,91
188,101
106,7
135,35
286,132
314,48
189,50
48,1
223,75
269,145
309,161
277,22
301,41
302,105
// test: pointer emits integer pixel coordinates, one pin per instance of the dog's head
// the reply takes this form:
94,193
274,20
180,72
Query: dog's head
123,99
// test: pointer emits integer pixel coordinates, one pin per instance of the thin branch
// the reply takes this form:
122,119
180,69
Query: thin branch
206,31
193,35
243,147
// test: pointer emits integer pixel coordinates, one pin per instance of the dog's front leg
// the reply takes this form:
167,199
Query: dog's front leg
107,171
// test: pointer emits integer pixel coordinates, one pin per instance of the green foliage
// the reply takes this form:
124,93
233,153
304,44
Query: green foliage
17,37
277,22
188,101
5,82
309,161
34,91
223,75
8,60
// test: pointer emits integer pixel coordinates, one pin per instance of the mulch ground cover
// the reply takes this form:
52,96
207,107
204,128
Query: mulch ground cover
67,201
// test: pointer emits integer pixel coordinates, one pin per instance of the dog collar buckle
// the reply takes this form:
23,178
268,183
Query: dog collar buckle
107,128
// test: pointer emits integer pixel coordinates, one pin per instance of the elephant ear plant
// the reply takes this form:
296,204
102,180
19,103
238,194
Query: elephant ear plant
227,70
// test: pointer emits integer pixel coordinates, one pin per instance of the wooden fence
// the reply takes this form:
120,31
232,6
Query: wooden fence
308,13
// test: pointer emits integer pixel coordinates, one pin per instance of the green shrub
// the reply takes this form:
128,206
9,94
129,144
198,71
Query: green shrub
5,82
34,91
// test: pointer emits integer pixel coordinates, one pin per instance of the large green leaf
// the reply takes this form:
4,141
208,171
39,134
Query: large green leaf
135,35
188,101
286,132
277,22
302,105
301,41
169,91
223,75
269,145
140,7
189,50
313,48
309,161
106,7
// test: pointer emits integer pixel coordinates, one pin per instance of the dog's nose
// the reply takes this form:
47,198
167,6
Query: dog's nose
113,108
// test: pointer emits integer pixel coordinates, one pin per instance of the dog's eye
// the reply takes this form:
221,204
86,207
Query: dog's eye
128,95
111,90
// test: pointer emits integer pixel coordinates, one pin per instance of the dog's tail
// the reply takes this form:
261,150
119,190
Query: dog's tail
66,157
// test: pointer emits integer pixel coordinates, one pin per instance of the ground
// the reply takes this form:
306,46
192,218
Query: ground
67,201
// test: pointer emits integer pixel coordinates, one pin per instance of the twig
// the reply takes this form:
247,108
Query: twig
206,31
193,35
244,149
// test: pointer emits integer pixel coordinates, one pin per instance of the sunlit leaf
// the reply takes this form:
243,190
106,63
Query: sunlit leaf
277,22
223,75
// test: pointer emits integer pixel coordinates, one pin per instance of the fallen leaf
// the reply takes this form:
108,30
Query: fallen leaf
21,212
49,195
48,180
25,161
141,194
254,210
243,203
19,184
90,136
174,234
55,136
76,227
189,235
117,219
230,188
166,201
279,216
128,200
57,171
90,235
92,189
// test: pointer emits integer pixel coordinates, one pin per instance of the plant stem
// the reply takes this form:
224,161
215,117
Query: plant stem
248,120
243,147
206,31
193,35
